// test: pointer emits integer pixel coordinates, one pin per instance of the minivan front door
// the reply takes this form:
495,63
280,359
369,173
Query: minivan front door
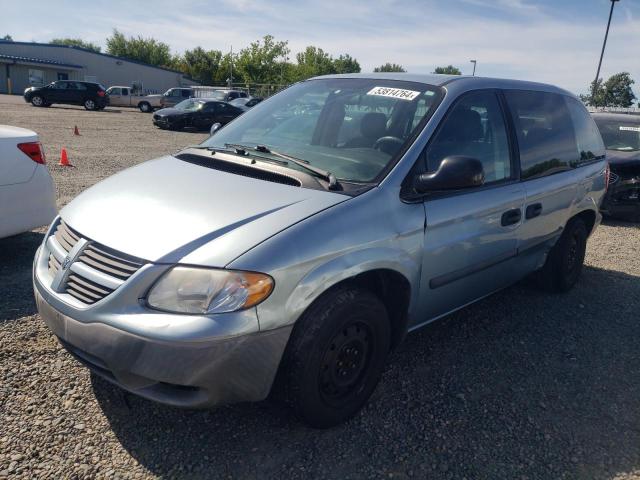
471,236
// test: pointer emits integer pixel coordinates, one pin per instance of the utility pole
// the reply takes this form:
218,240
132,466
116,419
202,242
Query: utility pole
604,44
231,67
474,67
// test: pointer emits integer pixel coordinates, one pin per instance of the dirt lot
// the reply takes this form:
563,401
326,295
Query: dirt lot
521,385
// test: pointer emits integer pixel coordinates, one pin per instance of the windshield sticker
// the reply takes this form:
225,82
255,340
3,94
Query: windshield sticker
630,129
398,93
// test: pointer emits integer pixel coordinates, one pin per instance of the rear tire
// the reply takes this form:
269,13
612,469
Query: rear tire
335,356
145,107
89,104
37,101
564,263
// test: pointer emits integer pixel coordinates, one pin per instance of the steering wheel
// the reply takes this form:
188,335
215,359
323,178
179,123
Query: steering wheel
388,144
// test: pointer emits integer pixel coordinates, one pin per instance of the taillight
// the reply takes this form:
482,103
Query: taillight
607,176
101,93
34,151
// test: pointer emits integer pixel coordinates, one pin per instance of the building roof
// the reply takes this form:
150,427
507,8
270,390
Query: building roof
35,44
17,58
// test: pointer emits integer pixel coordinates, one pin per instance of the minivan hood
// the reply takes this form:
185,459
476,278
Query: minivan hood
167,210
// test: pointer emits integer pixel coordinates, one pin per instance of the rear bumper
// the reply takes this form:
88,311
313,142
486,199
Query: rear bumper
27,205
194,372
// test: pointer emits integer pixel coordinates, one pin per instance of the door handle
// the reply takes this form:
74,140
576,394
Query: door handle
533,210
511,217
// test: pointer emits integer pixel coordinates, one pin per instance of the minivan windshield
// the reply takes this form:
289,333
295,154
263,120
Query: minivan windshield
617,135
351,127
189,105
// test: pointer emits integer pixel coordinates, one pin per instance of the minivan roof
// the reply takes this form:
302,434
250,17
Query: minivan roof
465,81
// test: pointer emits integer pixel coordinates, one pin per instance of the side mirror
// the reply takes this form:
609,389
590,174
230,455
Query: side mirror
215,127
455,172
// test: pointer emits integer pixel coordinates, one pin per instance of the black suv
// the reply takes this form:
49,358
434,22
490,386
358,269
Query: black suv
92,96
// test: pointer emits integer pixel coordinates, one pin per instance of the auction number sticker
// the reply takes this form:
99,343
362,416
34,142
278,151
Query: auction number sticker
398,93
630,129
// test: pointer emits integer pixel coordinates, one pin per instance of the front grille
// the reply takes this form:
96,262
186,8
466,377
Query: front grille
97,271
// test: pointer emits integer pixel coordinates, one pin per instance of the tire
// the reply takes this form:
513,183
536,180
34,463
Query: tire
335,356
37,101
145,107
564,263
89,104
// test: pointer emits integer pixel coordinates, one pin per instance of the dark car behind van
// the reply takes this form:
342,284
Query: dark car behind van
621,135
92,96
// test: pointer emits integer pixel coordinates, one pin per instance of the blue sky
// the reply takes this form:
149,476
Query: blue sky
554,41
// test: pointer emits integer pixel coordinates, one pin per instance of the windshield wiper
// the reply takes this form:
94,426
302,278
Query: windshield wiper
328,176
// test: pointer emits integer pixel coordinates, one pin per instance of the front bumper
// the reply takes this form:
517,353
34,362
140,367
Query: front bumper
180,360
623,197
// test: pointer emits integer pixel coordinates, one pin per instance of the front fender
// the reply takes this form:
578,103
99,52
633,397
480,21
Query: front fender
338,269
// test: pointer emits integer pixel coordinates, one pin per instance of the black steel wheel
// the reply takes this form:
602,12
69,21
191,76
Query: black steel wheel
335,356
564,263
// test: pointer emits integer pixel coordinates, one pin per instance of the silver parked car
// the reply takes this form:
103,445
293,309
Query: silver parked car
304,239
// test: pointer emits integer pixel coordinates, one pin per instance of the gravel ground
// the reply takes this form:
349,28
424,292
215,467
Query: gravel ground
520,385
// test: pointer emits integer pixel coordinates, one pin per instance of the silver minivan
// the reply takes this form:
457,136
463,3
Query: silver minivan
296,247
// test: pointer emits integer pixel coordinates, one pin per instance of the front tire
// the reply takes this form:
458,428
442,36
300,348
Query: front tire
336,356
37,101
89,104
564,263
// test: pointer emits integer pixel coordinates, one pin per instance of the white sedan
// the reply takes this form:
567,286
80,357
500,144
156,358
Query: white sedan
27,193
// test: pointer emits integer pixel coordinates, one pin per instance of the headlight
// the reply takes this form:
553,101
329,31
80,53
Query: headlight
208,290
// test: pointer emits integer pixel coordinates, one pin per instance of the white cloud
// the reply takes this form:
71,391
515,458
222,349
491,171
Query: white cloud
546,42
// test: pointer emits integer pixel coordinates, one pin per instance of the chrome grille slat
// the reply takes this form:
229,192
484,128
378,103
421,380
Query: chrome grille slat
80,296
103,268
71,285
96,276
93,274
56,249
109,260
89,284
128,261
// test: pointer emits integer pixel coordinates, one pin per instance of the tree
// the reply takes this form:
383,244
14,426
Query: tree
615,92
389,67
448,70
618,92
314,61
147,50
201,65
596,95
7,38
261,61
76,42
346,64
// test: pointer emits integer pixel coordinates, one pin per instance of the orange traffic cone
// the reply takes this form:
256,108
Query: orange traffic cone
64,160
76,131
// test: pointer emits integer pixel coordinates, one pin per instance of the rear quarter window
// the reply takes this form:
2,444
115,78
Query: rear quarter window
545,132
588,138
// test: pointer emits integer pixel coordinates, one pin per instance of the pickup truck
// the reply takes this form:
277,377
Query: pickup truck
125,97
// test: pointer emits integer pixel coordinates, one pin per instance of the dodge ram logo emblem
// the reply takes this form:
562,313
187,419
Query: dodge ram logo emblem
66,262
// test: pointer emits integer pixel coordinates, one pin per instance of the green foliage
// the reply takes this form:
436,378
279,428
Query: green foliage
265,61
201,65
615,92
76,42
314,61
346,64
448,70
147,50
7,38
389,67
261,61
